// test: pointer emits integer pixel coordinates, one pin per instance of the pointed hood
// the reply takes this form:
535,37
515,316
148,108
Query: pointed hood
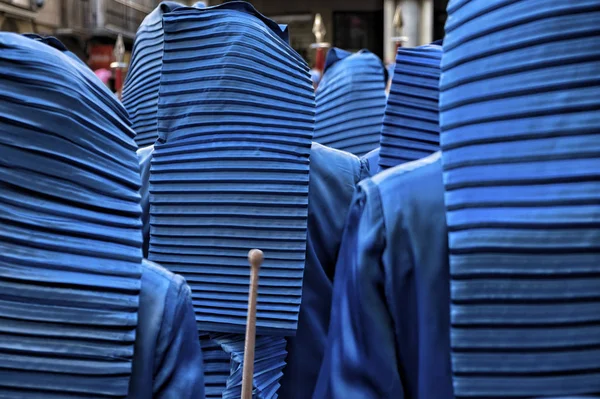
411,123
70,242
230,168
519,136
351,101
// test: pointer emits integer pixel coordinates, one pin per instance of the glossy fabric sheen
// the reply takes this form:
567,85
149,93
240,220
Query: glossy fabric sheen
334,175
519,118
350,102
230,170
140,90
411,123
167,359
70,229
389,330
372,159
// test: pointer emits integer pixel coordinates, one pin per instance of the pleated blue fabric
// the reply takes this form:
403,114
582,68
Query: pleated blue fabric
145,159
70,228
269,361
217,366
140,90
411,124
230,170
351,101
520,118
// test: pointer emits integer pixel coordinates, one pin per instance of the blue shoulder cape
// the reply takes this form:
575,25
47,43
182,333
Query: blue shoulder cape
389,330
334,175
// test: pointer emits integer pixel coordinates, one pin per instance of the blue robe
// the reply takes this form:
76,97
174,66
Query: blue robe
389,330
167,360
334,175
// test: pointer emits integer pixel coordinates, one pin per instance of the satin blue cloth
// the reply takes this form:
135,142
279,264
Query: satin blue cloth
411,123
334,175
389,330
519,101
167,360
350,101
140,90
230,169
70,229
372,158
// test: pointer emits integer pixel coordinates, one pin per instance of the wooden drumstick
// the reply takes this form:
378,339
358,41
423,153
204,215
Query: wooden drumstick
255,257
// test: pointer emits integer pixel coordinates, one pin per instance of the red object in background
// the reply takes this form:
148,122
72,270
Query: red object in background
101,55
118,80
320,59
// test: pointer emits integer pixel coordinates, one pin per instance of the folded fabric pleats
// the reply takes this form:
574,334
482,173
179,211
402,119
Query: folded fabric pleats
269,361
140,91
519,105
70,228
217,366
351,101
230,168
411,122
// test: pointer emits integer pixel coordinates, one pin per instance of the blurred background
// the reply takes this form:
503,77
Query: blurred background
90,28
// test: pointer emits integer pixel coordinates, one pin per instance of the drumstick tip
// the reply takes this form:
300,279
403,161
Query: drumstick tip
255,257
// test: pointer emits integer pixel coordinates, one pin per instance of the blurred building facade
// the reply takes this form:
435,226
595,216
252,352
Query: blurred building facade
357,24
90,27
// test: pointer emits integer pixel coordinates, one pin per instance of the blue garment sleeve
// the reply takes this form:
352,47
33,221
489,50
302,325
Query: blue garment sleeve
179,372
360,359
